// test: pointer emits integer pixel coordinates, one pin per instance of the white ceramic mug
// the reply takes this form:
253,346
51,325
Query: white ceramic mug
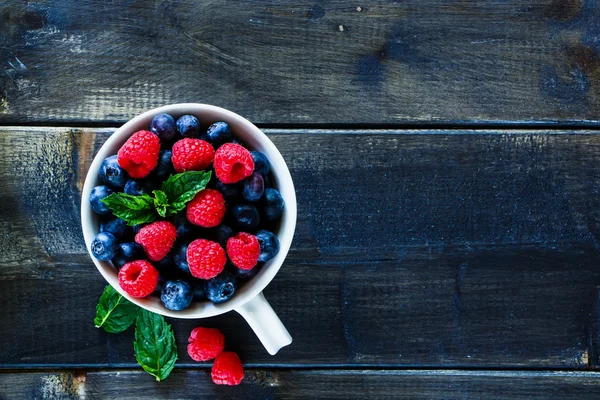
248,300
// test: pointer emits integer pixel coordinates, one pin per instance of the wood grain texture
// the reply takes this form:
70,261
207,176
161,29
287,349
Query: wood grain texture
302,384
282,62
436,248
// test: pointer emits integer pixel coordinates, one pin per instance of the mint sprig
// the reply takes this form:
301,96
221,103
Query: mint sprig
114,313
134,210
155,347
172,197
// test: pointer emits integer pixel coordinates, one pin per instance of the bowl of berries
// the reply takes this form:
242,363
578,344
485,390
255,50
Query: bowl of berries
189,211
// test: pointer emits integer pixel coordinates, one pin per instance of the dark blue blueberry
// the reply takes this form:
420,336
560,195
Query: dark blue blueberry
219,132
116,226
237,141
138,188
261,163
96,195
273,204
269,245
246,217
176,295
267,180
188,126
163,126
230,192
223,233
104,246
137,228
161,282
180,257
244,274
199,293
127,252
253,187
164,168
183,226
221,288
112,174
166,264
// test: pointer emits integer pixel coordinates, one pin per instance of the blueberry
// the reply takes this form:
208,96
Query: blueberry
161,282
269,245
218,132
116,226
230,192
127,252
199,293
112,174
261,163
104,246
246,217
253,187
164,168
273,204
138,188
244,274
166,264
221,288
183,226
267,180
96,195
137,228
223,233
176,295
180,257
163,126
188,126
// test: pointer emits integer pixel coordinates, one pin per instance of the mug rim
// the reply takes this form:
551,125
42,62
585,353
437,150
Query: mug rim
285,234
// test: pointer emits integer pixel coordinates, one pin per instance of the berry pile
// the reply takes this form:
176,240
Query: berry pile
186,213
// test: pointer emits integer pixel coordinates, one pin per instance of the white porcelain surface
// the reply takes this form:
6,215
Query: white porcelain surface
256,140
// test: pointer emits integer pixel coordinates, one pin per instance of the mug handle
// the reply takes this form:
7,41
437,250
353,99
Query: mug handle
265,323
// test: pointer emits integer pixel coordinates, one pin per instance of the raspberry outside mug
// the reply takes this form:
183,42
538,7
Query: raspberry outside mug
249,300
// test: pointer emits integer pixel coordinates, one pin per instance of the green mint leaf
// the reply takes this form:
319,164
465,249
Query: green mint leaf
161,202
181,188
114,312
134,210
155,347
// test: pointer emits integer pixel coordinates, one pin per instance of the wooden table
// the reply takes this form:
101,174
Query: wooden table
447,165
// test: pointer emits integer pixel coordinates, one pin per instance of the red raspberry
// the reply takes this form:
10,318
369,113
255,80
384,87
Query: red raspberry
243,250
157,239
192,155
207,208
138,278
227,369
139,155
205,344
205,258
233,163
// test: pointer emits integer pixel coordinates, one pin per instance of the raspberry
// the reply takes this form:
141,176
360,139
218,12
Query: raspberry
139,155
157,239
192,155
138,278
233,163
207,209
243,250
205,344
227,369
206,259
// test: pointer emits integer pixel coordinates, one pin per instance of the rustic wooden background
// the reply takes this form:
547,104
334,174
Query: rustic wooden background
447,164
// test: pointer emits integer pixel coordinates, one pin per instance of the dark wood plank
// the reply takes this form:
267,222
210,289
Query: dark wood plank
302,62
302,384
453,248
